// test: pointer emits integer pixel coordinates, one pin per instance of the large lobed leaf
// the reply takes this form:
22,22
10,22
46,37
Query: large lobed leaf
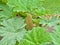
12,31
55,36
37,36
33,6
5,12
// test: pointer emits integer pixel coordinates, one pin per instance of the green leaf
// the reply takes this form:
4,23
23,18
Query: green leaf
12,31
32,6
54,7
5,11
55,36
54,21
36,36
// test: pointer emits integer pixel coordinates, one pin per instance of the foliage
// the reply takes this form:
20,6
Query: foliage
37,36
52,8
45,16
33,6
55,36
11,32
50,20
5,12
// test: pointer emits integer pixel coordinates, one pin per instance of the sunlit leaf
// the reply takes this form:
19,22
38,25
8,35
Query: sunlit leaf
36,36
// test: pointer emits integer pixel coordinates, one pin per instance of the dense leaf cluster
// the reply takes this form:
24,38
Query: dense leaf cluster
46,29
